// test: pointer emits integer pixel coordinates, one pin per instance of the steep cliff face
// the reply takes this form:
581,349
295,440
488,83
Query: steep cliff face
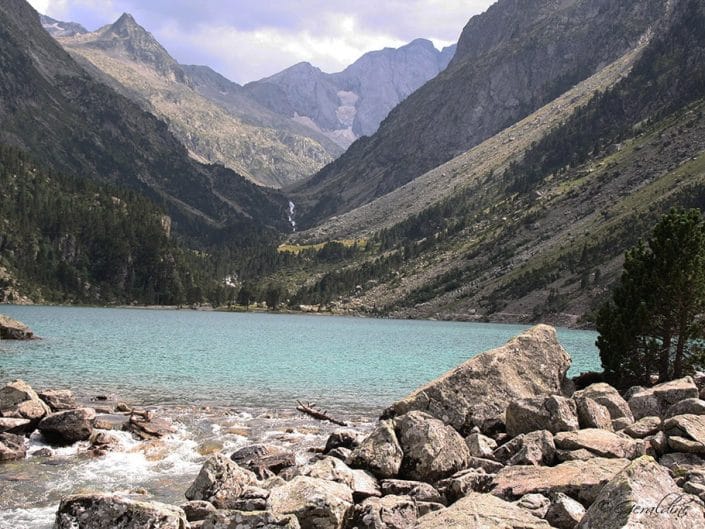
510,60
351,103
53,109
238,133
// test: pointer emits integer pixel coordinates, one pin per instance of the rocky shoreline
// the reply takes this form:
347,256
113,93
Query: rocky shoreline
502,441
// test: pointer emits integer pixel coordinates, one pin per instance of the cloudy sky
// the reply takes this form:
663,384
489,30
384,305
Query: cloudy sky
249,39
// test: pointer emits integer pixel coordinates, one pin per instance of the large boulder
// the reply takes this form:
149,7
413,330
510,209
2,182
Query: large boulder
478,391
582,480
19,400
591,414
599,442
553,413
481,511
643,496
67,427
686,433
220,481
686,407
418,490
58,399
361,482
644,427
12,447
108,511
481,445
380,452
316,503
535,448
14,330
608,397
657,400
564,512
432,450
232,519
390,512
13,425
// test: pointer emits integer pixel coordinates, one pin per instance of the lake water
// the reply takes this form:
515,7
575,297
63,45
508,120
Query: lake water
249,359
226,380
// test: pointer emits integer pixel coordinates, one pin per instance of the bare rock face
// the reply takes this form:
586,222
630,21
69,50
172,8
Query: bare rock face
58,399
389,512
107,511
14,330
599,442
478,391
481,511
593,415
316,503
220,482
67,427
582,480
657,400
380,452
564,512
249,520
553,413
608,397
643,496
432,450
12,447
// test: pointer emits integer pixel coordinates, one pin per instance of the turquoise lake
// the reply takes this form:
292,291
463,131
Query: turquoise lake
249,359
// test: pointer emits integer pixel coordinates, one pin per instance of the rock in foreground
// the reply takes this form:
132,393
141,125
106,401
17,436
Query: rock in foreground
106,511
477,392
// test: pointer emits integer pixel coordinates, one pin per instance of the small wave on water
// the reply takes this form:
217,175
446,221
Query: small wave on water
159,470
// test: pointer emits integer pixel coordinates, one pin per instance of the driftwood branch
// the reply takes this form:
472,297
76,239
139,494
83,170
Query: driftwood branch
310,410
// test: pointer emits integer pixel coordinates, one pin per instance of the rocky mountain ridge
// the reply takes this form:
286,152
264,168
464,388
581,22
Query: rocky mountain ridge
351,103
269,150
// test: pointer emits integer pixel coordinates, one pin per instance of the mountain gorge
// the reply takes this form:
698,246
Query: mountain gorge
351,103
494,80
265,148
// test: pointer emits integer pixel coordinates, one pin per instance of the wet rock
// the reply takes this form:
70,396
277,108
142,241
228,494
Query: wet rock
477,392
12,447
148,428
564,512
67,427
418,490
582,480
110,422
316,503
197,510
343,438
14,330
553,413
593,415
608,397
481,445
58,399
123,407
481,511
389,512
103,511
43,452
657,400
220,481
104,441
644,427
233,519
464,482
536,504
600,442
13,425
379,452
686,407
643,496
264,460
432,450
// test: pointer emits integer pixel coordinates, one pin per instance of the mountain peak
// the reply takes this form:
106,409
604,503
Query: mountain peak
57,28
